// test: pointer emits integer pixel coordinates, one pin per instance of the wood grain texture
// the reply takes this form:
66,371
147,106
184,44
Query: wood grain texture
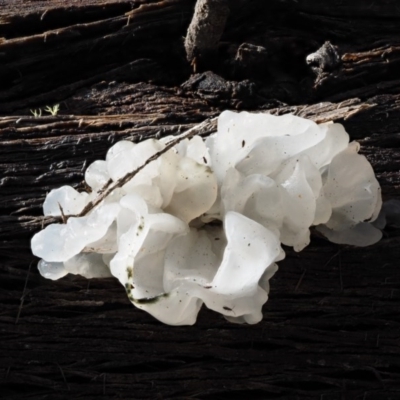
118,69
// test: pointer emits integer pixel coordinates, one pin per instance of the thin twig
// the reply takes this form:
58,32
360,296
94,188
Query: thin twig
110,186
23,294
62,213
63,376
337,253
300,280
205,128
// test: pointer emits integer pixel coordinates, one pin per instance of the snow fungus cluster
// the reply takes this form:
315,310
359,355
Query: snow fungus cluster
205,221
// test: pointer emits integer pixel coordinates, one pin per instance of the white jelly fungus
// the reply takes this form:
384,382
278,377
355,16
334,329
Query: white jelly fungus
204,222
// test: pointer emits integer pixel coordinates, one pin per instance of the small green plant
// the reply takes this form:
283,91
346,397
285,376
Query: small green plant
53,110
37,113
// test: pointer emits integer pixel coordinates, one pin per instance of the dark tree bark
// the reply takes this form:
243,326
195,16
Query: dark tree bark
119,70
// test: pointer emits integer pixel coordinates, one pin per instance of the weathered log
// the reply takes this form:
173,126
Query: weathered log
118,69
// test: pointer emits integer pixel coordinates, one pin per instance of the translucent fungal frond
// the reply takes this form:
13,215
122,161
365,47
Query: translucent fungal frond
183,222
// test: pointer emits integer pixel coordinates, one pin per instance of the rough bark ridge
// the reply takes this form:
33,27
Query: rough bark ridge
118,69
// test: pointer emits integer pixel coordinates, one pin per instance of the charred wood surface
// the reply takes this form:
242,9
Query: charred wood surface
118,69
